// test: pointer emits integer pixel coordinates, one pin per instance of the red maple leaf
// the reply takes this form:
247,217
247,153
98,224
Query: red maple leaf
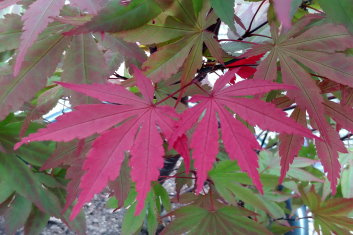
239,142
245,71
138,126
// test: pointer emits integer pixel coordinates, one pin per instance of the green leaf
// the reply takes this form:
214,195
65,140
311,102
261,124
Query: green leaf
227,186
161,195
6,190
121,185
116,17
347,177
225,11
36,222
17,214
330,216
152,222
226,220
35,153
25,183
181,34
235,48
197,5
340,11
10,32
131,223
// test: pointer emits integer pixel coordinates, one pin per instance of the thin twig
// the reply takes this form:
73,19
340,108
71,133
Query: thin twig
260,35
235,40
253,18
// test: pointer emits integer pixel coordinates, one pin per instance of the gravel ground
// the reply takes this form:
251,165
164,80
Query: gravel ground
100,220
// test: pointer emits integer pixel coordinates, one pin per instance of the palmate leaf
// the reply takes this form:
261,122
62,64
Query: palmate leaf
308,46
225,176
181,31
239,142
26,184
137,132
331,216
225,220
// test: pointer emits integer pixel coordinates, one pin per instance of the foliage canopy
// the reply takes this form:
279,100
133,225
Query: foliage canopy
250,100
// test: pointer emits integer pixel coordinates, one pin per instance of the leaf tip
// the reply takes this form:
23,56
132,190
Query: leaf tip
19,144
75,211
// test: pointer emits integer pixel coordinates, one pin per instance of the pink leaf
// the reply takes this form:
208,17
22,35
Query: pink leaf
140,127
85,121
7,3
181,145
316,48
147,159
103,162
105,92
341,114
240,143
237,139
36,19
282,8
291,144
144,85
205,145
253,87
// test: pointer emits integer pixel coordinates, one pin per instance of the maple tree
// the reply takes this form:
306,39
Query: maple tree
255,123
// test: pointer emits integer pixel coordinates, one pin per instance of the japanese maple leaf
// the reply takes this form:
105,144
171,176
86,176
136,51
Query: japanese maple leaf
181,35
307,46
36,19
238,141
140,124
331,216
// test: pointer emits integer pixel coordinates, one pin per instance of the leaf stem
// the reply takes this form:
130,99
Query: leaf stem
312,8
247,34
235,40
260,35
201,88
253,18
174,93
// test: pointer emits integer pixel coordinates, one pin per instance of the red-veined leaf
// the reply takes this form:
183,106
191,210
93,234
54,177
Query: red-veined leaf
204,139
291,144
138,120
307,46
